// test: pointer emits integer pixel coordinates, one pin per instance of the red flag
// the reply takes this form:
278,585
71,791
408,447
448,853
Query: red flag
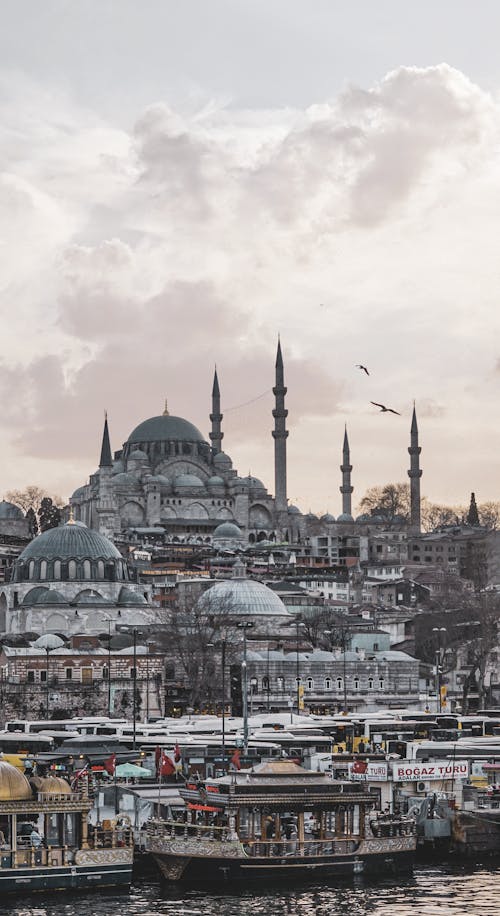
166,766
359,766
177,753
235,760
78,775
110,765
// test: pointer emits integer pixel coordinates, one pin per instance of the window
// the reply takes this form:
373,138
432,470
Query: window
280,683
328,683
375,646
69,674
356,683
133,673
43,675
381,683
370,683
339,683
43,569
72,569
310,683
31,676
57,569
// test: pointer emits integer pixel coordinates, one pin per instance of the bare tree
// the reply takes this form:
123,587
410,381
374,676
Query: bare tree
38,505
388,501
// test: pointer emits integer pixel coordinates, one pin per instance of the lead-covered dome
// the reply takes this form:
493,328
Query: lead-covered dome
10,511
71,541
241,597
165,429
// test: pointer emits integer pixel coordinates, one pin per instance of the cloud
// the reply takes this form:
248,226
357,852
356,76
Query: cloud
135,260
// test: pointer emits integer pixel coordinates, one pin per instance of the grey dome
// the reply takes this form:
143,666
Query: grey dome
79,493
9,510
345,517
49,641
138,455
50,596
215,481
165,429
364,517
329,518
90,597
188,480
221,460
227,530
293,510
158,478
71,541
242,597
128,597
253,482
34,594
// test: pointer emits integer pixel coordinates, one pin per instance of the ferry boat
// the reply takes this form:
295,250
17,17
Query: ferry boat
46,842
279,820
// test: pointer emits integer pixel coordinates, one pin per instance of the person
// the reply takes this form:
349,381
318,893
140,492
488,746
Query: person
36,839
269,827
361,747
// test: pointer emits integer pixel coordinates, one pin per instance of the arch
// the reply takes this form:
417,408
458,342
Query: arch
31,569
43,569
167,512
87,570
328,683
57,569
195,510
225,514
57,622
132,513
72,569
310,683
100,569
259,517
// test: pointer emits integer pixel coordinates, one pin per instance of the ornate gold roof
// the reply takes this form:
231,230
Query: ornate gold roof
50,785
13,785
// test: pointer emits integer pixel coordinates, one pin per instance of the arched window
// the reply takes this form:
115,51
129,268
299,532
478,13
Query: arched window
280,683
381,683
298,681
370,683
72,569
356,683
265,683
100,569
31,569
253,685
339,683
310,683
105,673
328,683
43,569
57,569
87,572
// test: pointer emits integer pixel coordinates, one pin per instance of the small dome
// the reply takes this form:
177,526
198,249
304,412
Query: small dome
79,493
188,480
227,530
160,479
13,784
293,510
328,518
71,541
90,597
165,429
50,785
253,483
125,480
311,517
9,510
345,517
364,517
221,460
49,641
138,455
215,482
128,597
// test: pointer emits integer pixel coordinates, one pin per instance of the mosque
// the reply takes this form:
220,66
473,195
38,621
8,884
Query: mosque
168,480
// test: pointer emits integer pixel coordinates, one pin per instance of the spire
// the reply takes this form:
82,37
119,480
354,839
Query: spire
216,434
414,474
280,433
346,468
473,515
105,460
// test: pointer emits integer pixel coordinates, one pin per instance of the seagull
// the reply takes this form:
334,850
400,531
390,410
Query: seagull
364,369
385,409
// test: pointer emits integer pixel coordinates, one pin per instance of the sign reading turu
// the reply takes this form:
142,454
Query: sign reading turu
410,770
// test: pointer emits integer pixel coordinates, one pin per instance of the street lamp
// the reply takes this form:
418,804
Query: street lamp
300,693
223,644
439,661
344,630
134,689
48,642
245,626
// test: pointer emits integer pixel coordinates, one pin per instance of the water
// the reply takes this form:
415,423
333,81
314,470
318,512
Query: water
454,890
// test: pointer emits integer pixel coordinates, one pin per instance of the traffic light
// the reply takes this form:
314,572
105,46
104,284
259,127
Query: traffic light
236,690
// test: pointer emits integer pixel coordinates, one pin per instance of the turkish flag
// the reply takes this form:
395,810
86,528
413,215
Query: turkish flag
359,766
110,765
167,768
235,760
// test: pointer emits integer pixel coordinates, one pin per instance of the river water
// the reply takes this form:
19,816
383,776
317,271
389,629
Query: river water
432,891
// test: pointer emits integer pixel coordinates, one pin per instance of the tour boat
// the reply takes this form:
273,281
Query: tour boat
47,844
279,820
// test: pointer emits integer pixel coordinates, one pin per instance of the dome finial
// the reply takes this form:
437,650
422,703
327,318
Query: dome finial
165,409
71,520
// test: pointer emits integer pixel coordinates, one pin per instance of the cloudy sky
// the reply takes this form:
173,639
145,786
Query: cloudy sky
182,182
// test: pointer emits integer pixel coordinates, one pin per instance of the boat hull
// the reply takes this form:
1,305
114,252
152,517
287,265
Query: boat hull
194,870
86,876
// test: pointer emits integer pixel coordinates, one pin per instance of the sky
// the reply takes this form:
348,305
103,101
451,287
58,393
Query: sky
180,183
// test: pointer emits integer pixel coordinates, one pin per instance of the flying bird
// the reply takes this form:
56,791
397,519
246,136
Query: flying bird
363,368
385,409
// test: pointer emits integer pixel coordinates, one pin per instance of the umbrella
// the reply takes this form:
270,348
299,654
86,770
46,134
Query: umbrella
130,770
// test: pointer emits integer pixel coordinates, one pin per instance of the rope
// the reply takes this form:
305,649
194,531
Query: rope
246,403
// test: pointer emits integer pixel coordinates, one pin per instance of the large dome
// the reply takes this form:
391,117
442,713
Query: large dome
242,597
71,541
9,510
165,429
13,785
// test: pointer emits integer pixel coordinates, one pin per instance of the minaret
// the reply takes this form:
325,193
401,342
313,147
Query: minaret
216,434
414,474
105,507
346,468
280,435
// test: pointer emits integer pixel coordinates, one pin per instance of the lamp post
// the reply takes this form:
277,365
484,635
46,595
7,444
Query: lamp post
47,649
344,631
439,661
245,626
298,624
134,689
223,663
